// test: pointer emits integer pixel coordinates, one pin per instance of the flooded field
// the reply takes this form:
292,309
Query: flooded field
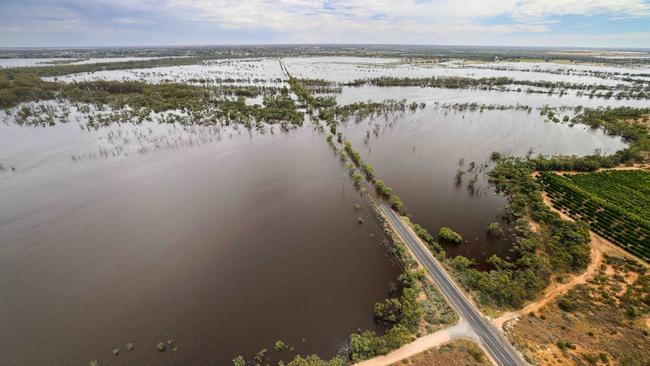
226,239
353,94
419,155
30,62
224,248
265,71
344,69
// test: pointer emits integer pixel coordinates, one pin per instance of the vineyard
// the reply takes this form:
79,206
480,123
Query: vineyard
615,204
628,189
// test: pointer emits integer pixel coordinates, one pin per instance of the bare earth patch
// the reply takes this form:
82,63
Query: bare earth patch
457,353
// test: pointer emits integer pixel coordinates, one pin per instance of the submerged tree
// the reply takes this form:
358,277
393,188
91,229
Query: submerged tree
449,235
459,176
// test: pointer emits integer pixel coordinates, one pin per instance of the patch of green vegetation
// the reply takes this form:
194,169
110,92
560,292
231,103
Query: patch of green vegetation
314,360
559,247
363,110
636,91
494,229
134,100
449,235
305,96
628,189
280,346
610,209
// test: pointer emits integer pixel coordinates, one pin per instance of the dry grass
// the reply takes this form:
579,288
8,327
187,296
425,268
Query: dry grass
604,321
455,353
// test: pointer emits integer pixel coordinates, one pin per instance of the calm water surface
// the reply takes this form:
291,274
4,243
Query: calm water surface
224,248
227,241
418,156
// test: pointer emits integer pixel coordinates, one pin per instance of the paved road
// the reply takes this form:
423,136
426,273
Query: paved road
492,340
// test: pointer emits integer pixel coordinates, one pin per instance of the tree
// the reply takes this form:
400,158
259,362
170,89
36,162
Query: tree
366,345
280,346
459,176
382,188
461,263
397,336
494,229
368,170
449,235
314,360
396,203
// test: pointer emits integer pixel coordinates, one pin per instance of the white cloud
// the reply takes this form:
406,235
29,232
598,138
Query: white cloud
341,21
352,19
543,8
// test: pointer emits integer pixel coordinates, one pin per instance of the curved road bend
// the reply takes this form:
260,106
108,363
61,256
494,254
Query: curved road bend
498,347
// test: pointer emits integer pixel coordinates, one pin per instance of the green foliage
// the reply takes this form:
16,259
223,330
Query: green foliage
398,336
405,310
357,179
143,98
494,229
610,205
382,188
354,155
563,247
280,346
260,356
365,109
449,235
451,82
461,263
628,189
566,304
308,99
396,203
239,361
314,360
368,170
423,234
635,91
366,345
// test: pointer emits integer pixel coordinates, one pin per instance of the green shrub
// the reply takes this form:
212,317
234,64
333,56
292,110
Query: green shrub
449,235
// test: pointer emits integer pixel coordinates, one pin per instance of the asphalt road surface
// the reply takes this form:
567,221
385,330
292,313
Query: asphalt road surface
498,347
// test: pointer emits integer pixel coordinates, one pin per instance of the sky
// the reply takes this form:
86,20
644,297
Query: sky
532,23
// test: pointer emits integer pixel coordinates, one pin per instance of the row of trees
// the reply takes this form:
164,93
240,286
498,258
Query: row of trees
621,91
403,313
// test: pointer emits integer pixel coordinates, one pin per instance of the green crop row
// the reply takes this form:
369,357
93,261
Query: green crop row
605,217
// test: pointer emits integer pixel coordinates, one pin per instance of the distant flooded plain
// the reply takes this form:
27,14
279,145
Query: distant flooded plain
226,240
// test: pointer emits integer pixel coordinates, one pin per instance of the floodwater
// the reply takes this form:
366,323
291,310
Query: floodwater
226,240
347,69
259,72
418,156
224,248
31,62
353,94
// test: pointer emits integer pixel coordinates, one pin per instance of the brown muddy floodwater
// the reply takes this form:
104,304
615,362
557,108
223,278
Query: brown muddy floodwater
418,156
224,248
